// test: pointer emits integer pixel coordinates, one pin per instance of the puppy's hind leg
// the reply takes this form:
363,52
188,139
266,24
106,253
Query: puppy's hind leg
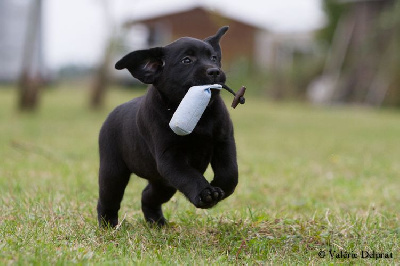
153,196
113,178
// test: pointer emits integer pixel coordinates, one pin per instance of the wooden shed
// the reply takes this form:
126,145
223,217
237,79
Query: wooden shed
240,43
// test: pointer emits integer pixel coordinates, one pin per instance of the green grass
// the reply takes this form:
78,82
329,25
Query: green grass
311,179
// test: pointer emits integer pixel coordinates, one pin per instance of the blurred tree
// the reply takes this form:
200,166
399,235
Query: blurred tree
333,11
360,65
386,87
31,78
101,77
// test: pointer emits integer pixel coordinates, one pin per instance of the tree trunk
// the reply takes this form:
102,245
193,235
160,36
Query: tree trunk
30,79
101,79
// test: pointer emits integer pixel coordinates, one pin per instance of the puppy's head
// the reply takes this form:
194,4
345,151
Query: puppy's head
175,68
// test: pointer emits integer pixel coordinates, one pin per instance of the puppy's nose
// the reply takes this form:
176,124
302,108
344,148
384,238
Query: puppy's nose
215,72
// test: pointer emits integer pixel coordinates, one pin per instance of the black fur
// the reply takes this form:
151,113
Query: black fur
136,138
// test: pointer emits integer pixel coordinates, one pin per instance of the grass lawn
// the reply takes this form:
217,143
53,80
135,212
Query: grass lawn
317,185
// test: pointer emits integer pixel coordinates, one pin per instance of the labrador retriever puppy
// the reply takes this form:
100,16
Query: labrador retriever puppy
136,138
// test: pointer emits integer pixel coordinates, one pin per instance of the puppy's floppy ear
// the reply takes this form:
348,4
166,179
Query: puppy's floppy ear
214,40
145,65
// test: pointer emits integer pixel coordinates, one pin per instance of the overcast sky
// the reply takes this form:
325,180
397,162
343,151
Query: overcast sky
75,30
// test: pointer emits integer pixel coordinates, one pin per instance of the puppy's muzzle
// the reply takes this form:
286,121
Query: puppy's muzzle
214,72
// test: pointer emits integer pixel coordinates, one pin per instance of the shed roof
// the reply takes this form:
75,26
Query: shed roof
151,14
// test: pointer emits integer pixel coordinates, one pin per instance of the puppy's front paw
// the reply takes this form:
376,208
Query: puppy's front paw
209,197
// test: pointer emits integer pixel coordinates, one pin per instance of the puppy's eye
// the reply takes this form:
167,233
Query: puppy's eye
214,58
187,60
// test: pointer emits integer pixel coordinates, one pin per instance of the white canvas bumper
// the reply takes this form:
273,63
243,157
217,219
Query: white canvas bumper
191,108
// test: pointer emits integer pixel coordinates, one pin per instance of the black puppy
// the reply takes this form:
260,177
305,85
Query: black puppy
136,137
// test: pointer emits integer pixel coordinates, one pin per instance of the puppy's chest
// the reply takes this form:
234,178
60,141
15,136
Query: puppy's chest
206,128
197,153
